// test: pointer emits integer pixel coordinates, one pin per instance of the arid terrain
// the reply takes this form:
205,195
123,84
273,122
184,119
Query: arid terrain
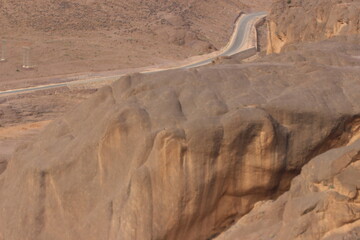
296,21
257,149
86,36
23,116
55,32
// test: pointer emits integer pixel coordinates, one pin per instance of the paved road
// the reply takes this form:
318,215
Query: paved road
241,35
238,42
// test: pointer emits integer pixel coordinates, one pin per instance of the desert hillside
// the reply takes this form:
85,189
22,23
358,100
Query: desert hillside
183,154
89,36
256,149
46,15
323,201
293,21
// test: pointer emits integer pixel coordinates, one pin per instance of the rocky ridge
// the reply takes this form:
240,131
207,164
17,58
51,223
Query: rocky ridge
323,202
293,21
187,154
182,154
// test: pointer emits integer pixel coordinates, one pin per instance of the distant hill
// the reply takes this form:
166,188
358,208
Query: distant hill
50,15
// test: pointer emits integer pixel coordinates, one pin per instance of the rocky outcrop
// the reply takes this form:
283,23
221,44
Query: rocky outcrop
182,154
323,203
293,21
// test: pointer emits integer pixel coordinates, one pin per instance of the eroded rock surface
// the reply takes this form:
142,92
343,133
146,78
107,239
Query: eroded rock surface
182,154
293,21
323,203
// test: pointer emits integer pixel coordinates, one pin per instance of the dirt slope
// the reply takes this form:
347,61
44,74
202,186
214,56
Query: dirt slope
84,36
45,15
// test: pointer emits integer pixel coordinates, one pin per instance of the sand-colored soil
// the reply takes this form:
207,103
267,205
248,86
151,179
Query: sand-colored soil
23,117
12,137
112,35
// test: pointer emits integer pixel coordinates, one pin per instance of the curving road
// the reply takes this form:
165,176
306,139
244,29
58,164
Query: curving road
239,39
238,43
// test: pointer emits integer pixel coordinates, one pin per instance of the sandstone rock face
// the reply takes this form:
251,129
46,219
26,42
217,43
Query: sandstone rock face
323,203
294,21
183,154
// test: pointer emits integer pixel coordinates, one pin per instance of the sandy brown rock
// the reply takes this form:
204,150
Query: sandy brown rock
181,154
323,203
184,154
292,21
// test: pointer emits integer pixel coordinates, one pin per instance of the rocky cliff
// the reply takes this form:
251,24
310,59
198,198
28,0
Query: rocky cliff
293,21
182,154
187,154
322,204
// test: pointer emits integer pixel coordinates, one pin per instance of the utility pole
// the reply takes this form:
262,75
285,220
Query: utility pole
3,50
26,57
